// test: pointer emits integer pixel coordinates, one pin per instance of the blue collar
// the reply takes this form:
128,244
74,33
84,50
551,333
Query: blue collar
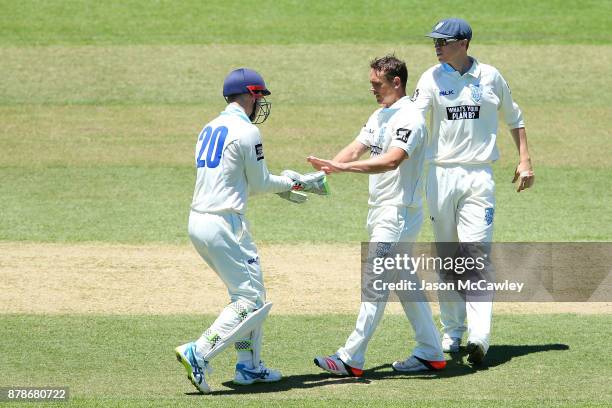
396,105
473,71
447,68
232,109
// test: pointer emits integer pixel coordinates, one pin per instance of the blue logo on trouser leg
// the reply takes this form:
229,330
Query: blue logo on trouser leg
489,215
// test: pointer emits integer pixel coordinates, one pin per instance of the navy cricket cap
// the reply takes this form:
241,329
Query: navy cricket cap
452,28
244,80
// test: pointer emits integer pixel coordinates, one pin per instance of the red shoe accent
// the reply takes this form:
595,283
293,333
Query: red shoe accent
437,365
330,363
355,372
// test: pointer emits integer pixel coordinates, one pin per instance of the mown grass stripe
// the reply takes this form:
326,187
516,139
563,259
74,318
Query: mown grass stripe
290,22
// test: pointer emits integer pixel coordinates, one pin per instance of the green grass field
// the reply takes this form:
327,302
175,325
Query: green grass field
100,106
106,134
128,361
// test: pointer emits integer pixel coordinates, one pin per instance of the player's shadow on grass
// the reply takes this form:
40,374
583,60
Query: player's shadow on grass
456,366
291,382
501,354
497,355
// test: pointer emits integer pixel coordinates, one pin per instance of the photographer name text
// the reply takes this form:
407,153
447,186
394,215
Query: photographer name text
480,285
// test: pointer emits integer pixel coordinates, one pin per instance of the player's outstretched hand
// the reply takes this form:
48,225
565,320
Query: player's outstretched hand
316,163
328,166
524,173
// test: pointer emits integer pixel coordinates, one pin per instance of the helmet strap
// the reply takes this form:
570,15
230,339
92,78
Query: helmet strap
253,114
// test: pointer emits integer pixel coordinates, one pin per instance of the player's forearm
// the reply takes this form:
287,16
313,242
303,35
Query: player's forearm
264,182
278,184
350,153
520,140
374,165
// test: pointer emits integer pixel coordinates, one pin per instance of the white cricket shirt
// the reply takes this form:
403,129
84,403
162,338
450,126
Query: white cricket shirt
230,164
465,109
396,126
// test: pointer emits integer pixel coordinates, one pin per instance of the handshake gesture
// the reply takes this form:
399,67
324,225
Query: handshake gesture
315,183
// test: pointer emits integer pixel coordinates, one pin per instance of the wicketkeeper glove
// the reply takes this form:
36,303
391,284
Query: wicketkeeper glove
294,196
310,182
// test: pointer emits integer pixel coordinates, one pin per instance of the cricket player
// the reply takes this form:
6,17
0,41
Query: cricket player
465,96
229,159
394,134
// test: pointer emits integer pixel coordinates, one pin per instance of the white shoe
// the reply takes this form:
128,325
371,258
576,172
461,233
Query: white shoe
333,364
450,344
185,355
415,364
476,352
247,376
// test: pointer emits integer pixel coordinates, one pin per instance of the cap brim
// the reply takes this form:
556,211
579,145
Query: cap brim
438,35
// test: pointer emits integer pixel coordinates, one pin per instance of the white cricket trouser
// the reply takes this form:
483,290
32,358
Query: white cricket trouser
393,224
461,202
224,242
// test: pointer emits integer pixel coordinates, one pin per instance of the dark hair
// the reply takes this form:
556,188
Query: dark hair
391,67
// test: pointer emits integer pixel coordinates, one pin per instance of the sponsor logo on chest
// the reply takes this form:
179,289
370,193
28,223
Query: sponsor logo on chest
377,147
463,112
380,139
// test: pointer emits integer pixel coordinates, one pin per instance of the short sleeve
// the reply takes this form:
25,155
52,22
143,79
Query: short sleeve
409,132
510,110
422,97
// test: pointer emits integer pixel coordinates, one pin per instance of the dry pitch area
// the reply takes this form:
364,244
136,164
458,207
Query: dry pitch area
162,279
